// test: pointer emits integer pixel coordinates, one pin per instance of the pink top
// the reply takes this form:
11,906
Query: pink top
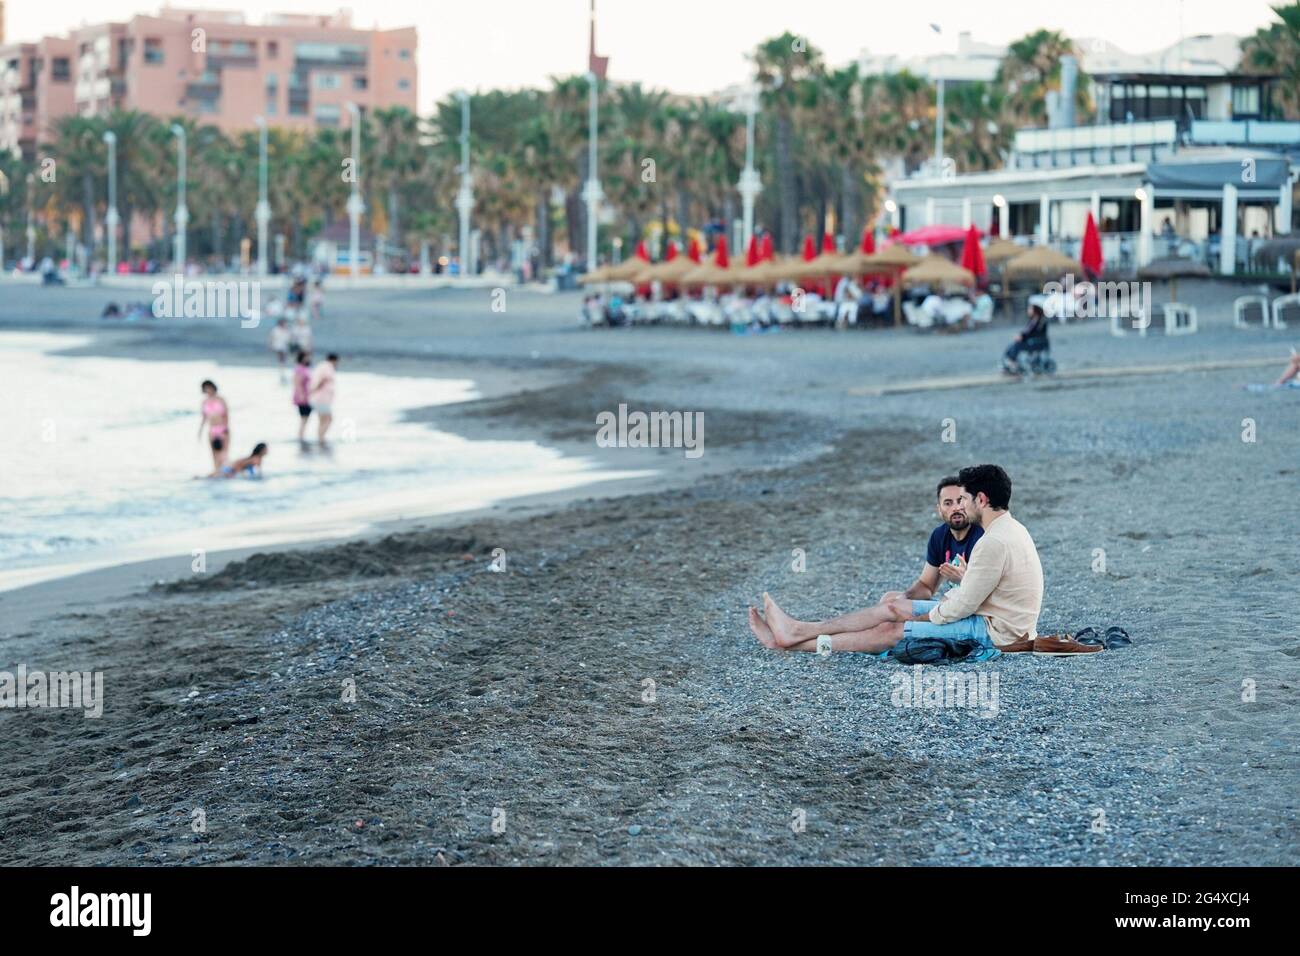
301,384
322,385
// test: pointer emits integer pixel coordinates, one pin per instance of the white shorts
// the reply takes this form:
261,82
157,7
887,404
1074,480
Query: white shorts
323,409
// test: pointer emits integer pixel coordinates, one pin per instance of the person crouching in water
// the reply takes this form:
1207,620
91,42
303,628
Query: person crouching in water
250,467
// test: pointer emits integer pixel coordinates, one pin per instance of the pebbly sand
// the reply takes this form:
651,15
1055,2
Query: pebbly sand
508,718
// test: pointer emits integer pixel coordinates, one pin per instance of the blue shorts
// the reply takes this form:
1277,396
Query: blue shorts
968,628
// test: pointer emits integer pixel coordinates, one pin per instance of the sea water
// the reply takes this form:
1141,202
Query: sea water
101,460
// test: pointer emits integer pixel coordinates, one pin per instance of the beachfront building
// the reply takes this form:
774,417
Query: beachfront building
1187,157
297,70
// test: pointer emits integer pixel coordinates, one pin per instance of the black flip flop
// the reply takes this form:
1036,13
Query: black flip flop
1116,637
1090,637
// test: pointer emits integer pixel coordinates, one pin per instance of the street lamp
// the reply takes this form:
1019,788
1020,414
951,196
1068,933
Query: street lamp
938,120
110,220
750,184
465,197
591,192
263,212
356,206
31,229
182,213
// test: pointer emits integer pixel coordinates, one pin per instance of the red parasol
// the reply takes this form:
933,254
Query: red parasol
809,249
933,236
1090,254
671,253
752,254
720,258
868,241
642,252
693,250
769,252
972,256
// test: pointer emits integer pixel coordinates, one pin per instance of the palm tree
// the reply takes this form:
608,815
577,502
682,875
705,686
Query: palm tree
138,179
1275,50
1032,68
82,159
397,159
779,64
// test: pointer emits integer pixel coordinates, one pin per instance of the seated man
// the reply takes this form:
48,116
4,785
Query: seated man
997,604
948,552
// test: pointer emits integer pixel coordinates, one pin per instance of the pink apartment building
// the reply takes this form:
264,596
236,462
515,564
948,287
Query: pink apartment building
297,70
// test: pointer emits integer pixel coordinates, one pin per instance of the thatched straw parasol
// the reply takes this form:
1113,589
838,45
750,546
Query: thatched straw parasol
595,276
1172,269
627,270
938,271
1000,250
709,274
1041,262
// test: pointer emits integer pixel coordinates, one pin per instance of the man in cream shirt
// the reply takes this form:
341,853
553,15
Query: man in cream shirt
996,605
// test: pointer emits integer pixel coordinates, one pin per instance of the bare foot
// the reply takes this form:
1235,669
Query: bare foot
762,631
781,625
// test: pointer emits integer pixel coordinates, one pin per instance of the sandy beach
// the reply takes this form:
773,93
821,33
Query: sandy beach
601,700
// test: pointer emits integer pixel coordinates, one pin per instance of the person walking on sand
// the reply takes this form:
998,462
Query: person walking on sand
300,334
278,342
996,606
316,300
321,395
302,393
1292,370
215,414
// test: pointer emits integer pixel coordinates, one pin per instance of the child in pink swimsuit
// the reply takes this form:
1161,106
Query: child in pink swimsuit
216,416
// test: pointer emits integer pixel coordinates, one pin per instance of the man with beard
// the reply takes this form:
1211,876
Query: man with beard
948,553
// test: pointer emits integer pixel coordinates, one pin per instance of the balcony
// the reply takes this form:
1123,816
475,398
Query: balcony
1094,145
1243,133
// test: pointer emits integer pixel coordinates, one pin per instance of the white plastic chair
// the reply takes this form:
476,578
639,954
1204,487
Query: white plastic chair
1180,319
1243,304
1281,303
917,316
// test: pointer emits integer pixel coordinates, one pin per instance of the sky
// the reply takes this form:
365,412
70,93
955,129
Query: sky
690,46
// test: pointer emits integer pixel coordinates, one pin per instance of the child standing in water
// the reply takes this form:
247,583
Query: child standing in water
302,393
215,414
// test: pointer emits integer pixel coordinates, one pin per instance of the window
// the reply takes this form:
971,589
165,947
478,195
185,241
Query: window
403,54
272,93
403,84
272,49
359,81
153,52
327,114
327,81
1245,101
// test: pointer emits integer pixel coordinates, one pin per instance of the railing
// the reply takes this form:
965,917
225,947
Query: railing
1244,132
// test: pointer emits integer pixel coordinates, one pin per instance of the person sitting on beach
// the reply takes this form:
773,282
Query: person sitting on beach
947,554
250,467
215,414
997,604
1292,370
